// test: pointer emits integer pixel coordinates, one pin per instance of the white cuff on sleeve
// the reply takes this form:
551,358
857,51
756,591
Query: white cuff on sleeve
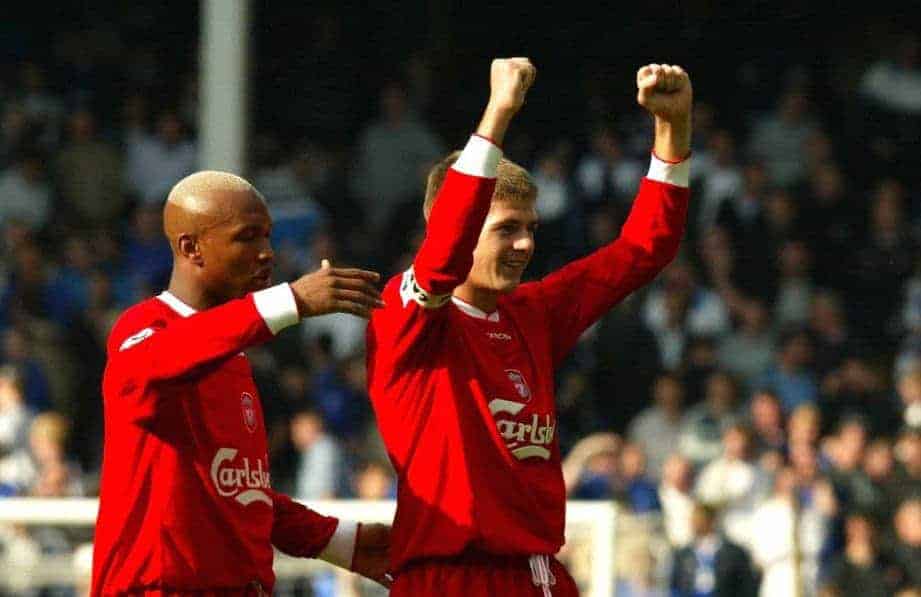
277,307
677,174
341,547
479,158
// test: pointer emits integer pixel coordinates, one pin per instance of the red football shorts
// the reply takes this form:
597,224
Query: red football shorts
477,574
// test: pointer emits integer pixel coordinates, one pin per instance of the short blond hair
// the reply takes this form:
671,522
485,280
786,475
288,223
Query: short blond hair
513,183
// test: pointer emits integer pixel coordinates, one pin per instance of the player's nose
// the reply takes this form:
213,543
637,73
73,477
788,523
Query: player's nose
267,254
524,243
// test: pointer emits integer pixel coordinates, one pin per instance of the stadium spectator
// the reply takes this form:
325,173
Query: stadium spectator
657,429
795,288
860,570
605,173
789,533
766,422
879,467
89,177
394,153
830,331
17,350
734,484
319,458
748,351
155,162
779,138
631,486
45,467
592,457
705,423
905,552
711,565
25,190
790,377
722,180
14,415
908,471
909,394
677,500
374,480
845,451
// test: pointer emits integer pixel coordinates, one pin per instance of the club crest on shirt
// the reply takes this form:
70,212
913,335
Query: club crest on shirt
521,386
249,411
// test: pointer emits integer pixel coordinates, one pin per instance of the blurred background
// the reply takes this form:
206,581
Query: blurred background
765,388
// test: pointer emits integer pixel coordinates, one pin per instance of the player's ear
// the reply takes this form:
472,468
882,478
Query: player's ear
189,248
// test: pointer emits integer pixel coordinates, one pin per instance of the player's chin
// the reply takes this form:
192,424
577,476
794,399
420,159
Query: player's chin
260,283
507,284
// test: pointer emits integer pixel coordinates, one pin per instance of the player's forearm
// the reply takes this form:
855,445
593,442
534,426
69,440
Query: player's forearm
187,344
658,218
301,532
495,122
673,139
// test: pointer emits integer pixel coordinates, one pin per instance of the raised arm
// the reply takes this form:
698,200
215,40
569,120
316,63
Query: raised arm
580,293
446,255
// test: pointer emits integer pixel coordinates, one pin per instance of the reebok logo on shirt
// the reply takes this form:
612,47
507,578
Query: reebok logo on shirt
243,483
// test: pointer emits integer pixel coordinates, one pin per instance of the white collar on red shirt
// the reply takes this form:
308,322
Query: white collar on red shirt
473,311
173,302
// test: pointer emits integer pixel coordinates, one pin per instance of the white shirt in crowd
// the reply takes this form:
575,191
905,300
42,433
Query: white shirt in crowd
772,547
737,487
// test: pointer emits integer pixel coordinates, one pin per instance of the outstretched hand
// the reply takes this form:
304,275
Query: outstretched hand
372,553
665,91
331,289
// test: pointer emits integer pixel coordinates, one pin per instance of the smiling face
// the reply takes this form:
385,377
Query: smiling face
505,247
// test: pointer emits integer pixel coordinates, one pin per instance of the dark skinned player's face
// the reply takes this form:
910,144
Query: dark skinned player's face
237,254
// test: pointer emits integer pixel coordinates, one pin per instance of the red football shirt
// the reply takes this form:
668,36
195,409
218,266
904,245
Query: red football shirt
465,399
186,502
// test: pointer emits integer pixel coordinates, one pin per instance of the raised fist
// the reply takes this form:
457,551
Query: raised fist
665,91
509,81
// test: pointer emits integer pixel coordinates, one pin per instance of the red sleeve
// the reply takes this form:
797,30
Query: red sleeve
578,294
415,298
446,255
145,350
299,531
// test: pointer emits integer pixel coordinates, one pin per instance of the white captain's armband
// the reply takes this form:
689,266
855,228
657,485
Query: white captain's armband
411,291
136,339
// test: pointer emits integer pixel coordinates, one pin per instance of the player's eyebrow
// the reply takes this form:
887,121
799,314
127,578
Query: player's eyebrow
251,227
527,222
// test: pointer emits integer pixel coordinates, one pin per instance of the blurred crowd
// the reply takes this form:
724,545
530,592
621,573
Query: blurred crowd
755,412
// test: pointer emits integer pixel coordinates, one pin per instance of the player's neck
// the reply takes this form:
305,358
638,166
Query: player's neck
483,299
190,293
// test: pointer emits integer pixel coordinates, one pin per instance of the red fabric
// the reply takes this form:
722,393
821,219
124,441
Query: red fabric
479,576
185,502
466,405
444,259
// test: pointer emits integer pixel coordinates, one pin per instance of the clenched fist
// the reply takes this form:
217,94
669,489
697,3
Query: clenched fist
331,289
509,81
665,91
